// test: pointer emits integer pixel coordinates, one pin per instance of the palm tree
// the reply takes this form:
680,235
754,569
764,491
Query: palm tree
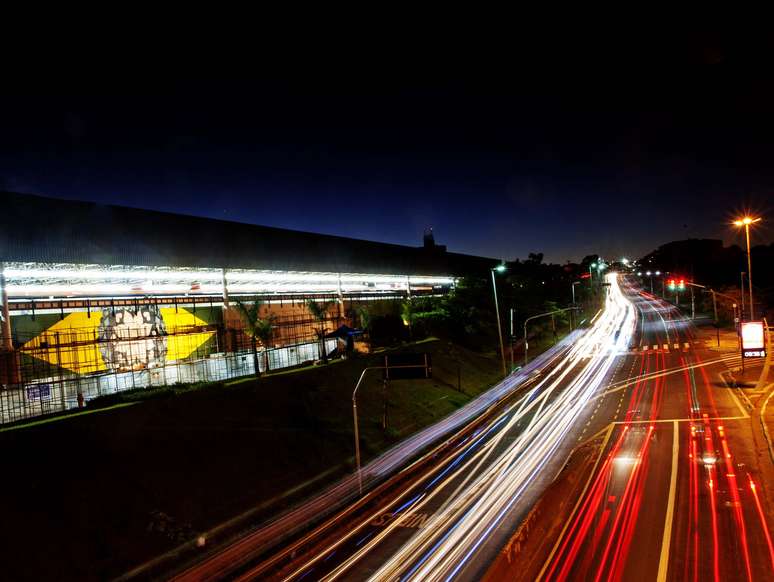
258,328
319,311
264,330
365,322
408,314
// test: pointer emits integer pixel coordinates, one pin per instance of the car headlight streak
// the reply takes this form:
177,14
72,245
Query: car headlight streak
444,545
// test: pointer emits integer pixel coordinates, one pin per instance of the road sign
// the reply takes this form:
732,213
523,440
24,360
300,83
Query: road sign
39,391
753,339
407,366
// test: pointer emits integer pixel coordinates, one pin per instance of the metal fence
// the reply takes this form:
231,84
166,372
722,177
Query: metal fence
60,393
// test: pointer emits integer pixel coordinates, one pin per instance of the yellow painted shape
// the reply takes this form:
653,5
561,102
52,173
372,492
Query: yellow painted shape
183,339
79,351
77,335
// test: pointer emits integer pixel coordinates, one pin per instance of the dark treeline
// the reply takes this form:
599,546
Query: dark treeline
467,314
707,262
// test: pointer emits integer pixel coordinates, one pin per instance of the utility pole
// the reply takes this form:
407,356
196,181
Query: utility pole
741,281
499,269
749,272
511,339
526,321
746,222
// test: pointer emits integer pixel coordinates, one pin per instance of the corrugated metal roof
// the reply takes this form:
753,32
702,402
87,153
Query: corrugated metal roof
36,228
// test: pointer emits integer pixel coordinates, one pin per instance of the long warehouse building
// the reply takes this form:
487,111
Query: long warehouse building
99,298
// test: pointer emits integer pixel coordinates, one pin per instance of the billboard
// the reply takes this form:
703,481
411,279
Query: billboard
753,339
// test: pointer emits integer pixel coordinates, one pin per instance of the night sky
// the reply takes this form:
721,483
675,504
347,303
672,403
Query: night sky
499,165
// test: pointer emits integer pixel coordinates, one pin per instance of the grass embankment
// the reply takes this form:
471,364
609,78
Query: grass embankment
91,496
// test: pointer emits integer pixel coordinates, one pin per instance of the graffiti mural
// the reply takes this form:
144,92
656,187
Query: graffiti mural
133,339
120,340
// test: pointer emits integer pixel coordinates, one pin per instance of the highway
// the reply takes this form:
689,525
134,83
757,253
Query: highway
667,498
452,515
676,494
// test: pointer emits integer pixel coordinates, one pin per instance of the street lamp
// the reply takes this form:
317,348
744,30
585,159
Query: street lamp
746,222
591,275
500,269
575,313
573,291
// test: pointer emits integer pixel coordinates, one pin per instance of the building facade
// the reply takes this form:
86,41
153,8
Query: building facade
98,299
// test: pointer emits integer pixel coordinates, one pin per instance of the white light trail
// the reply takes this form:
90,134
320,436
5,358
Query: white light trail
451,537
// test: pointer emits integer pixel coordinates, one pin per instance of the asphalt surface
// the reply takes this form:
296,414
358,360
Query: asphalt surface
672,495
676,495
452,516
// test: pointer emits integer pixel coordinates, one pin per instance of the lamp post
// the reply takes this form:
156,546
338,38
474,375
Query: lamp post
573,300
526,321
741,281
500,269
591,275
746,222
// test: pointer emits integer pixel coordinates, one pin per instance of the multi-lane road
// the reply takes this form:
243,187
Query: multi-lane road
667,499
677,492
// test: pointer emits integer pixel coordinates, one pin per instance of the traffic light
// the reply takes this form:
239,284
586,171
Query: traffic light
671,284
682,285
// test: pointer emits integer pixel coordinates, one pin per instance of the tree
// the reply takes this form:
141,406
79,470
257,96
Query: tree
264,330
407,314
319,311
364,315
258,328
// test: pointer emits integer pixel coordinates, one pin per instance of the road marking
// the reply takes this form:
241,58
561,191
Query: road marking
577,503
763,421
665,420
663,563
734,397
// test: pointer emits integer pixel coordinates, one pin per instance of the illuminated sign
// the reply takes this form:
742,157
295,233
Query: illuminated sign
753,340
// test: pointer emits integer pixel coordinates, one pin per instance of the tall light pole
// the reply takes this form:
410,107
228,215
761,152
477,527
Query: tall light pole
741,281
573,291
746,222
575,313
500,269
591,276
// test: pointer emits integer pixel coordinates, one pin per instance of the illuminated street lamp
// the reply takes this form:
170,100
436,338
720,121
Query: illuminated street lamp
500,269
746,222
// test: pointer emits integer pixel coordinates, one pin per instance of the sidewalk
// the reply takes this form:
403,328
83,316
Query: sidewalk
755,384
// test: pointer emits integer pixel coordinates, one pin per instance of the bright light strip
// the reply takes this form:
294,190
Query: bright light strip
450,538
70,280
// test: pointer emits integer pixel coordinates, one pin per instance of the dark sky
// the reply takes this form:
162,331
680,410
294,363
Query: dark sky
500,162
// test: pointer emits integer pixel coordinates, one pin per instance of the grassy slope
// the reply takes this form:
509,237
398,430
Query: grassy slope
82,496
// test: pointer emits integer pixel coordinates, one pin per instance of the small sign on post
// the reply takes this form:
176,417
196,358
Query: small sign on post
753,339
